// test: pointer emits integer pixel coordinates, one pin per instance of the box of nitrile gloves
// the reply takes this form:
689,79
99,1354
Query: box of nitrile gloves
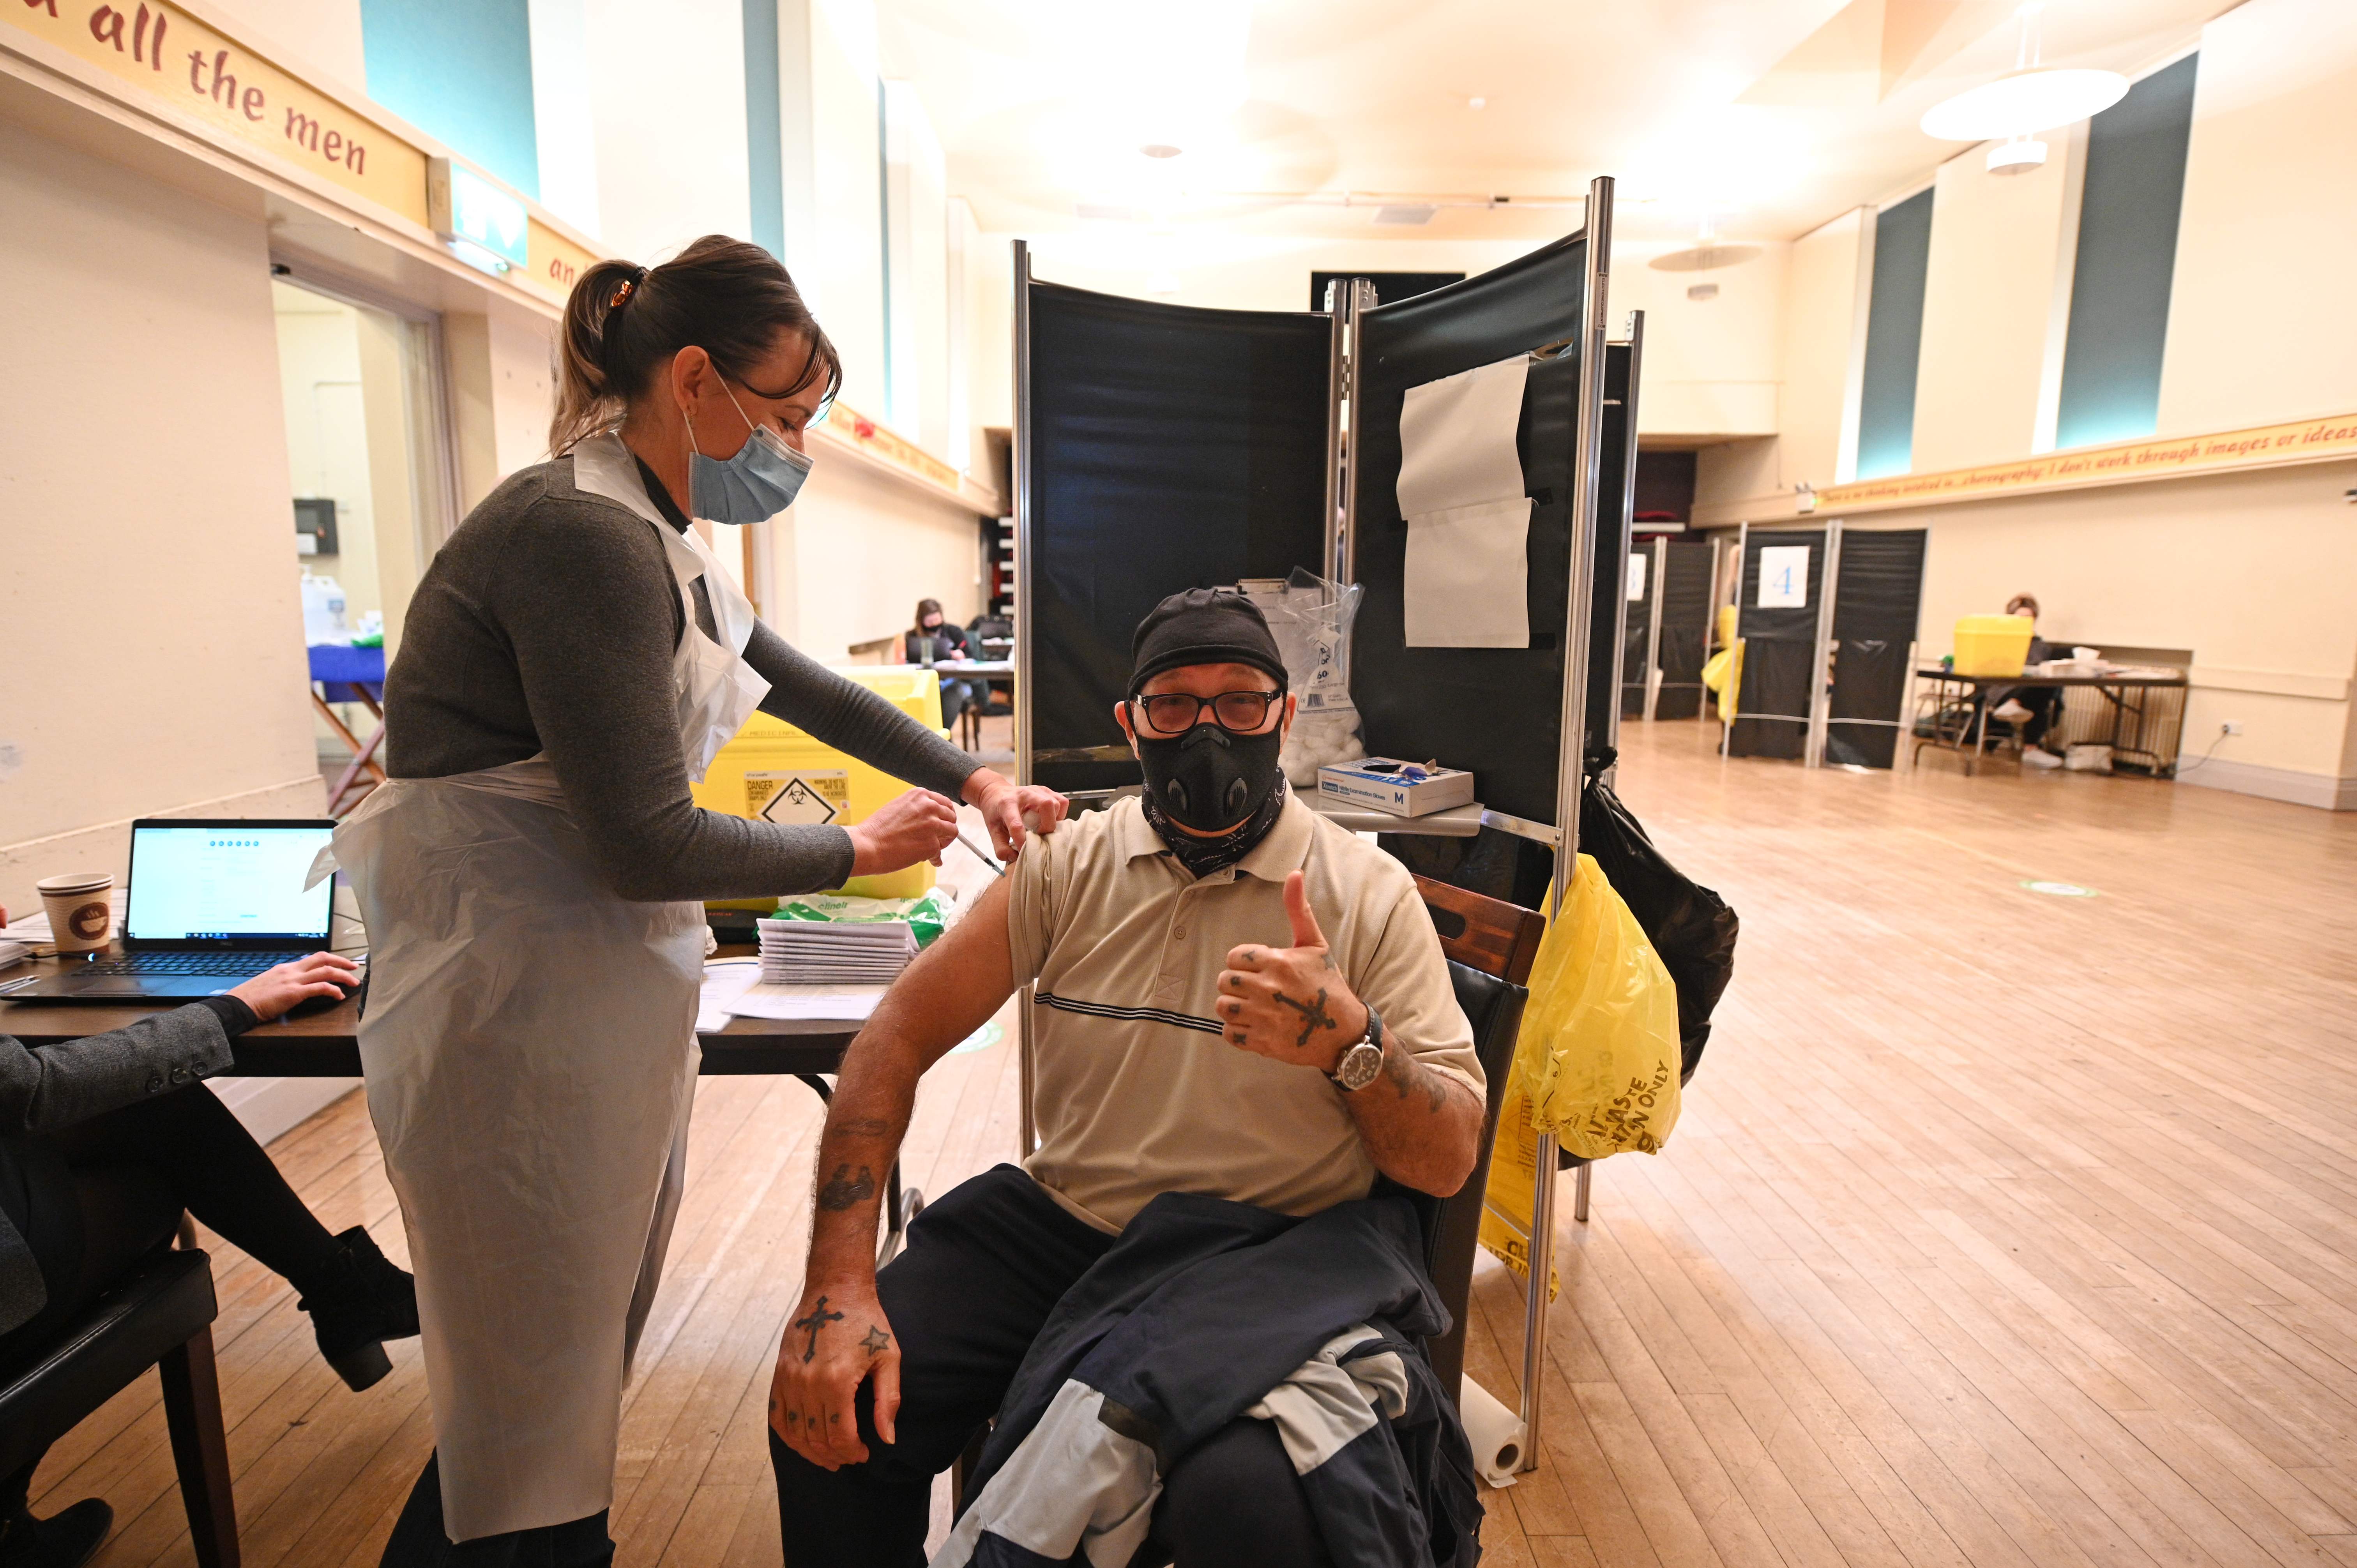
1401,789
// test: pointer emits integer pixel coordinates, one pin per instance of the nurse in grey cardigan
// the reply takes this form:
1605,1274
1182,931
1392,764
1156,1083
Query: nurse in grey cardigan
103,1141
531,875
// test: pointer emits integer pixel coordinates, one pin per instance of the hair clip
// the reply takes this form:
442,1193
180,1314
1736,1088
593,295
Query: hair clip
622,295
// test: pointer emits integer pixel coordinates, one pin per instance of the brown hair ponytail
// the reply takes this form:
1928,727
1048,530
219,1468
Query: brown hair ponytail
624,322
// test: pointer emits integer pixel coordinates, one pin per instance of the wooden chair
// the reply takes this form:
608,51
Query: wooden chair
1491,946
159,1315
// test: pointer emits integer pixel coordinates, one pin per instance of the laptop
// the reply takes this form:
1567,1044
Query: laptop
208,903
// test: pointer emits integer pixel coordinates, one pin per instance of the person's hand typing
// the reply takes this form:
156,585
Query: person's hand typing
1008,809
273,991
1290,1003
836,1340
910,828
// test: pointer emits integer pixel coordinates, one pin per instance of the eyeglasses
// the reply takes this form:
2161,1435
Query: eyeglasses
1176,712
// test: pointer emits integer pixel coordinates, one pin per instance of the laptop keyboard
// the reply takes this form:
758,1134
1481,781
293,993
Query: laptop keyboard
150,963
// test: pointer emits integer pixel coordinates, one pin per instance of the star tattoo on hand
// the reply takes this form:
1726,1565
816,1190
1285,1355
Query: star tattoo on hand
876,1341
1314,1015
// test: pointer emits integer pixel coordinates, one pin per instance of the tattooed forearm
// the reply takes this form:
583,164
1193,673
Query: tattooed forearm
1314,1015
862,1127
1405,1075
842,1190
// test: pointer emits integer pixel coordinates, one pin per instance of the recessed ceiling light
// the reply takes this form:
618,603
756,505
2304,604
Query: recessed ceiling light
1703,290
1477,104
1160,150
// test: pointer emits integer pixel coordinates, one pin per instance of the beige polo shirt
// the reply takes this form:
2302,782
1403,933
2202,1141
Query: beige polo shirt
1138,1091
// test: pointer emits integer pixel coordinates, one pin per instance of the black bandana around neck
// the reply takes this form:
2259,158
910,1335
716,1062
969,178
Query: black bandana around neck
1201,857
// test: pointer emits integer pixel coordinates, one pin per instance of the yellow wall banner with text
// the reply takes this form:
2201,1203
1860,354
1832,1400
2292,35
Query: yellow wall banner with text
2306,441
556,263
893,448
178,62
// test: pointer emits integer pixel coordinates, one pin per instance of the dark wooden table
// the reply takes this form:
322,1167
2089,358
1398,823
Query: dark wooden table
325,1045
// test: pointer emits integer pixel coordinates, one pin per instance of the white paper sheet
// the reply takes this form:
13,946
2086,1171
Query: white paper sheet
1784,577
851,1004
1468,577
723,982
1457,439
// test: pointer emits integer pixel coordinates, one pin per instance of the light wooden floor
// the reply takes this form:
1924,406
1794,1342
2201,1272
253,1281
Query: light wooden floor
2000,1229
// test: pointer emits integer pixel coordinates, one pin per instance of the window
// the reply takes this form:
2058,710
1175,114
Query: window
1894,338
2127,253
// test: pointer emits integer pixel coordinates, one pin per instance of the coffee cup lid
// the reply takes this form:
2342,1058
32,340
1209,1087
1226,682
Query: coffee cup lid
75,882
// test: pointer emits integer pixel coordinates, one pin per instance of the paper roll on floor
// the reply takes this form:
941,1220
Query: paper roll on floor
1495,1432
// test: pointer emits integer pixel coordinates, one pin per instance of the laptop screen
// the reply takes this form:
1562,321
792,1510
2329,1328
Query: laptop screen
228,881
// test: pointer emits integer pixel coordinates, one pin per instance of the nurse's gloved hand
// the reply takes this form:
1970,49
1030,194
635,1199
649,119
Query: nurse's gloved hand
1008,808
915,827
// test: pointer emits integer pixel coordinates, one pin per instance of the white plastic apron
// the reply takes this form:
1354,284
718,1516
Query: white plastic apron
529,1048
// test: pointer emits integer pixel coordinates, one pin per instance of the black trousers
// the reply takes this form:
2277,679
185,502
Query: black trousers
984,1267
93,1199
418,1539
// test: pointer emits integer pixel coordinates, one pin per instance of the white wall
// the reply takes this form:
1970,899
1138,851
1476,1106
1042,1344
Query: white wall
151,593
1994,317
668,94
917,219
2262,321
1825,291
851,558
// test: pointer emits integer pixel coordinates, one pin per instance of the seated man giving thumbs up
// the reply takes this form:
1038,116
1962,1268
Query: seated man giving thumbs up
1235,1001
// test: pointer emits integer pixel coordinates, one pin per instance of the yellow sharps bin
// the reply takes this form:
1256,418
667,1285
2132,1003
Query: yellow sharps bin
774,772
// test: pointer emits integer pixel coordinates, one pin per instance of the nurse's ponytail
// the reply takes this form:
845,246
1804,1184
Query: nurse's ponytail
624,322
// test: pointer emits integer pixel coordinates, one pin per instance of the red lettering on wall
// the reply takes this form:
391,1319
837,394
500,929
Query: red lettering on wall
334,146
50,5
251,104
106,26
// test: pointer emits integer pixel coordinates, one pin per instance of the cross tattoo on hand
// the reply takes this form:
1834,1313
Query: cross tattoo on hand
1314,1015
819,1318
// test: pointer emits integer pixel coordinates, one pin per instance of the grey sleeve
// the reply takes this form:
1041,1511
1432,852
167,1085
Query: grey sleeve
590,611
849,717
55,1087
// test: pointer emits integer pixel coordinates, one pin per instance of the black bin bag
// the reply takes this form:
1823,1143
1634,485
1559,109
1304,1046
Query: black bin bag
1692,928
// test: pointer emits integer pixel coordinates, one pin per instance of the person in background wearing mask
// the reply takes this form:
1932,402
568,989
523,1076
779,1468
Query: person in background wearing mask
2033,710
531,875
104,1141
930,638
1235,998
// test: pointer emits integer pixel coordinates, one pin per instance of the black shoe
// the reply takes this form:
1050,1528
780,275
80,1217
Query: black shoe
65,1540
357,1303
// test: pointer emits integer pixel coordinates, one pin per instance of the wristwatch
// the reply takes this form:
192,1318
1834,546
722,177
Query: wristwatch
1362,1062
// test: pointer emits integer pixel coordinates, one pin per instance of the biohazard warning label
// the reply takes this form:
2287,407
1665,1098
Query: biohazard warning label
802,798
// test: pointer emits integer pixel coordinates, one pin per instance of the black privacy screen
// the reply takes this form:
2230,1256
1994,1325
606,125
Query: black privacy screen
1171,448
1877,587
1780,647
1685,625
1495,710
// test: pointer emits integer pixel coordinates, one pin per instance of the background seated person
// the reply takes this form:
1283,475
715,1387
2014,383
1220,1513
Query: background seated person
1205,956
933,637
2033,710
104,1141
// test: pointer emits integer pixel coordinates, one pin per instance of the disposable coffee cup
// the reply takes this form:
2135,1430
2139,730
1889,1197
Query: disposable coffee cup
82,909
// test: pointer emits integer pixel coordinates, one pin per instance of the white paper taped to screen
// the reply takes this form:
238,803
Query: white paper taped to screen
1460,489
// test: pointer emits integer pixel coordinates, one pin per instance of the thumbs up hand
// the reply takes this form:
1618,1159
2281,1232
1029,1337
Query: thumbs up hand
1290,1003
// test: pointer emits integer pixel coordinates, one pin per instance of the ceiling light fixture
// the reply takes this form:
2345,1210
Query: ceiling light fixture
2020,154
1160,150
2027,100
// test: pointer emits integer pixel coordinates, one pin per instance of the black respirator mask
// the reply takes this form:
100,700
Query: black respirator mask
1211,779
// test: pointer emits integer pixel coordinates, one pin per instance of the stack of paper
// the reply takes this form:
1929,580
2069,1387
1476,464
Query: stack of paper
827,952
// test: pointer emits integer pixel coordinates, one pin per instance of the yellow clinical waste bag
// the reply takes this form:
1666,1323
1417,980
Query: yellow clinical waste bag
772,771
1598,1059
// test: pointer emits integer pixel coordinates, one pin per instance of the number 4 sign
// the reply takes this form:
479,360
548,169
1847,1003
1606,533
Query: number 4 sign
1784,577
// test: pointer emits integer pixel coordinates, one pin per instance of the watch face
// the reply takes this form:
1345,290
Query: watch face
1360,1065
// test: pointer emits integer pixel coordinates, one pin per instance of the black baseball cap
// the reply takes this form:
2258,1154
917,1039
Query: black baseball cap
1203,625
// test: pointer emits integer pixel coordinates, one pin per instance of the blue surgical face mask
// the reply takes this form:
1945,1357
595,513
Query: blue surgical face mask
754,486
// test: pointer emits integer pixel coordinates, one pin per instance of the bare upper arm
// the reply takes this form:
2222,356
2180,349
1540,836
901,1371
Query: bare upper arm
953,986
